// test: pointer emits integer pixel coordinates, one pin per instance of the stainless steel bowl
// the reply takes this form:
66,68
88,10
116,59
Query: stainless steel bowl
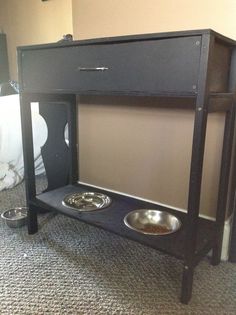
152,222
86,201
15,217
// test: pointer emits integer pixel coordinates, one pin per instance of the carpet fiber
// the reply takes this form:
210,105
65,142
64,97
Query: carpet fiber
69,267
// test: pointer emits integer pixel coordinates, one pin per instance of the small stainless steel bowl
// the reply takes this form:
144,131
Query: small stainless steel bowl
86,201
152,222
15,217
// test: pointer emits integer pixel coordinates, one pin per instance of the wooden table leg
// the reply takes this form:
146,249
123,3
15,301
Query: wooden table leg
32,220
187,284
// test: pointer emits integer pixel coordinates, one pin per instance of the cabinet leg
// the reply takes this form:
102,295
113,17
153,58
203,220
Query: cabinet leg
216,254
32,220
187,284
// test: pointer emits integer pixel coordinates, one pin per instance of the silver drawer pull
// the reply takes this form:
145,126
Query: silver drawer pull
92,68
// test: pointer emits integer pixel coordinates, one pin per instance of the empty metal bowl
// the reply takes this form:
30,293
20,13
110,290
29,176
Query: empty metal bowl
15,217
86,201
152,222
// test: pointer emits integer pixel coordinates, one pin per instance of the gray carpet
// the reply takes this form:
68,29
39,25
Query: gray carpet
73,268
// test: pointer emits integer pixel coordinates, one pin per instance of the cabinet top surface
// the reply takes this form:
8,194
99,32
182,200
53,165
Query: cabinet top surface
130,38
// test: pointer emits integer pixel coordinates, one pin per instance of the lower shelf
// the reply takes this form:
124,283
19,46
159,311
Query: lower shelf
111,219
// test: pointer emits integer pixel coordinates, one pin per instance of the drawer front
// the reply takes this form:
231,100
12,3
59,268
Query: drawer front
154,66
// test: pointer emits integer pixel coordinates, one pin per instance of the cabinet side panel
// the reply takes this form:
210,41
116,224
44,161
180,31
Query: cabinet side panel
220,68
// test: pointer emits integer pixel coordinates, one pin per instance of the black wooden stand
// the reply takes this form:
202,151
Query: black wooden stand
193,65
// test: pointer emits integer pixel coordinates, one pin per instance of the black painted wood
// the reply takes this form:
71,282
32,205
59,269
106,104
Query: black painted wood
55,151
133,38
197,151
194,65
187,284
232,248
27,140
111,219
224,183
198,146
29,173
148,66
60,158
73,140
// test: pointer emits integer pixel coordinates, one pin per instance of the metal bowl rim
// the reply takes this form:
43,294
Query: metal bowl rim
24,216
87,192
148,233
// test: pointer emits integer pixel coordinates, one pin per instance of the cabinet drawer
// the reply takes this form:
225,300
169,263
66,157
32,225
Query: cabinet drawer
147,66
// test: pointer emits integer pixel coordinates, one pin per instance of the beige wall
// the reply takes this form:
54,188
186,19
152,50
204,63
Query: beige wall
120,142
100,18
32,22
144,150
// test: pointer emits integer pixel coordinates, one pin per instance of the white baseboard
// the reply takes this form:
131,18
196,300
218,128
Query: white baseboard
226,239
227,225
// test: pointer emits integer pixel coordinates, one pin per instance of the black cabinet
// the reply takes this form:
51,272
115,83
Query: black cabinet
194,65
